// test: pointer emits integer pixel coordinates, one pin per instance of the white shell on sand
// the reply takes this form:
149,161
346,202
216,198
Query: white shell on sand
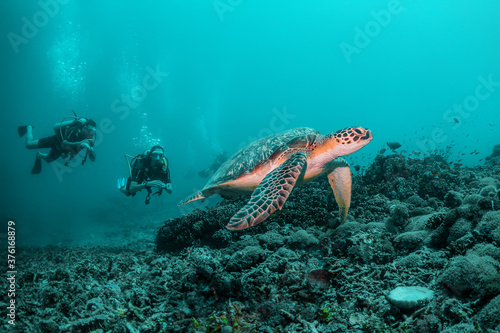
410,297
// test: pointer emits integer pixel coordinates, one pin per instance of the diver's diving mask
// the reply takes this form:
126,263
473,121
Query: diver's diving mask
157,155
90,131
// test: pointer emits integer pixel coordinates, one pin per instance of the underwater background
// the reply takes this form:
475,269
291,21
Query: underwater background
425,74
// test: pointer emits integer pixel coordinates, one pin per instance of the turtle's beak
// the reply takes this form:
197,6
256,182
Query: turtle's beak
362,134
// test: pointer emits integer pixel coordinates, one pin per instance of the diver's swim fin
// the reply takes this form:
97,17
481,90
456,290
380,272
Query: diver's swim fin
121,183
22,130
37,168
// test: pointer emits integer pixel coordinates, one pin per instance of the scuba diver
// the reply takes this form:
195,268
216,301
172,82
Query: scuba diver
71,136
147,170
221,158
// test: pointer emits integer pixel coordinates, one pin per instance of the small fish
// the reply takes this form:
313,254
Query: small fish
456,120
382,151
357,167
393,145
458,164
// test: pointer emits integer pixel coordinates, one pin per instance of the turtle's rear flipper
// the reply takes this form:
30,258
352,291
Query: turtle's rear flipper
22,130
340,180
197,196
271,194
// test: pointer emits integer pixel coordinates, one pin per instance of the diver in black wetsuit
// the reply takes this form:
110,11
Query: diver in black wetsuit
147,170
69,139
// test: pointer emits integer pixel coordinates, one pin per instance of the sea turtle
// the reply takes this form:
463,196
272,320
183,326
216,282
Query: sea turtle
270,167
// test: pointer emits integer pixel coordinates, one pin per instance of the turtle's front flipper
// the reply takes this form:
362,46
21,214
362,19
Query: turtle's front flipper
271,194
340,181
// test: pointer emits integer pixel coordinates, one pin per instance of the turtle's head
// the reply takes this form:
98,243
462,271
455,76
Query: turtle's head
348,140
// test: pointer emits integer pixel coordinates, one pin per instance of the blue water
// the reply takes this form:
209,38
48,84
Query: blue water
201,77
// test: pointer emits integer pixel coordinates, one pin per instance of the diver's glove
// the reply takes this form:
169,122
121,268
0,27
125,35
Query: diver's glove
84,145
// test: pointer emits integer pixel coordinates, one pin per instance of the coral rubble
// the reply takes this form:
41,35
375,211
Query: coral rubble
413,222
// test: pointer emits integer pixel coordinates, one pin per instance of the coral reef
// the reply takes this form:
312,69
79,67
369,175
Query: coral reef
413,222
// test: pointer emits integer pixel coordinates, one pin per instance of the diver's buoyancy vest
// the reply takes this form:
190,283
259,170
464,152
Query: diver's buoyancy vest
61,127
141,164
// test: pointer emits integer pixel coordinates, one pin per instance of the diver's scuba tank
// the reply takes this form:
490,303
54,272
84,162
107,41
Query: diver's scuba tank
64,123
69,120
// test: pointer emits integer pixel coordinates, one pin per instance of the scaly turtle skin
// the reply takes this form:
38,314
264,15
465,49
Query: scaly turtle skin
271,167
